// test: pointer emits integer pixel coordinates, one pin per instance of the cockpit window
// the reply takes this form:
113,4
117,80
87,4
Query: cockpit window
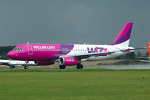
20,49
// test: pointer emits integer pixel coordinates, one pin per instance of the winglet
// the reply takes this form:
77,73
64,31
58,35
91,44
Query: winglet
128,49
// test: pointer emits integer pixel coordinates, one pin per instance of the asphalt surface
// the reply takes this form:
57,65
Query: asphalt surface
119,67
115,67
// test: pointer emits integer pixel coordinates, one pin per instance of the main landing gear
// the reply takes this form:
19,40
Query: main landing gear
26,65
12,66
79,66
62,66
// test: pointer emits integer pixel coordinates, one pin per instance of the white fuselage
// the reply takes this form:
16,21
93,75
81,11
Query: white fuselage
94,49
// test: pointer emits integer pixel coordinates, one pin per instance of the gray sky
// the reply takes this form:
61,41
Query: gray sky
73,21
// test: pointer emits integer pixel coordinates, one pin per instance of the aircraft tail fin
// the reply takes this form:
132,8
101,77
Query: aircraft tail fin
123,37
148,46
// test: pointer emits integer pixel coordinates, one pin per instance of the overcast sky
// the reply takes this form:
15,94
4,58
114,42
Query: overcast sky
73,21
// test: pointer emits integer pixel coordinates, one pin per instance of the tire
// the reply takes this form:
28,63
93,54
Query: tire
79,66
11,67
25,67
62,66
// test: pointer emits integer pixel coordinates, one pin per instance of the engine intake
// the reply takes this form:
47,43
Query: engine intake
69,61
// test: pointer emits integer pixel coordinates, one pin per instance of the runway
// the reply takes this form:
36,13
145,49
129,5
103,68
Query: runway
113,67
119,67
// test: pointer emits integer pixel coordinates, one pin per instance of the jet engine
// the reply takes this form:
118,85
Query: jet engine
68,61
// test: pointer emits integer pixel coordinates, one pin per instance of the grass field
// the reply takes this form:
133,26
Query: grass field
86,84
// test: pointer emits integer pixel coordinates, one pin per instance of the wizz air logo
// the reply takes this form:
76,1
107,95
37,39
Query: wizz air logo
96,50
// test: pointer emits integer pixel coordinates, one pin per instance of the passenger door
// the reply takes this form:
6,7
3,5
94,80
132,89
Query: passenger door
30,50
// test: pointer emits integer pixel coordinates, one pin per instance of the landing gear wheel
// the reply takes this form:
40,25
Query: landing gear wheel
62,66
79,66
12,66
25,67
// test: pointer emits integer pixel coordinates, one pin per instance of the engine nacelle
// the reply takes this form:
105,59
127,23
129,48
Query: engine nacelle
44,63
69,61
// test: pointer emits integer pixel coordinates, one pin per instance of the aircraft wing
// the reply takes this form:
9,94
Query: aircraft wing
140,48
4,62
5,66
129,49
144,60
84,56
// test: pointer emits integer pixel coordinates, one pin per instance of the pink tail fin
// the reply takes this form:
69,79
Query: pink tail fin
124,35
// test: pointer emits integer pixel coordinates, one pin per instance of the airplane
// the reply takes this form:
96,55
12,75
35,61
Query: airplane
13,63
148,58
74,54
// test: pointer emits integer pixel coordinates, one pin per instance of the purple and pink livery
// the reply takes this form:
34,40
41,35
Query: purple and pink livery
72,54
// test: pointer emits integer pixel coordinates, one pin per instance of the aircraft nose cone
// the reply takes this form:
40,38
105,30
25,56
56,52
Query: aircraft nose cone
11,54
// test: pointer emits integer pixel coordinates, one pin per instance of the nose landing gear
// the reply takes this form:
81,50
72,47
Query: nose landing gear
26,66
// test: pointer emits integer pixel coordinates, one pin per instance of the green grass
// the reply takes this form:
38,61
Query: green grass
98,84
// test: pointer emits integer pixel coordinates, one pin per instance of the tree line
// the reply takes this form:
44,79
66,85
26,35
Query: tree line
4,50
